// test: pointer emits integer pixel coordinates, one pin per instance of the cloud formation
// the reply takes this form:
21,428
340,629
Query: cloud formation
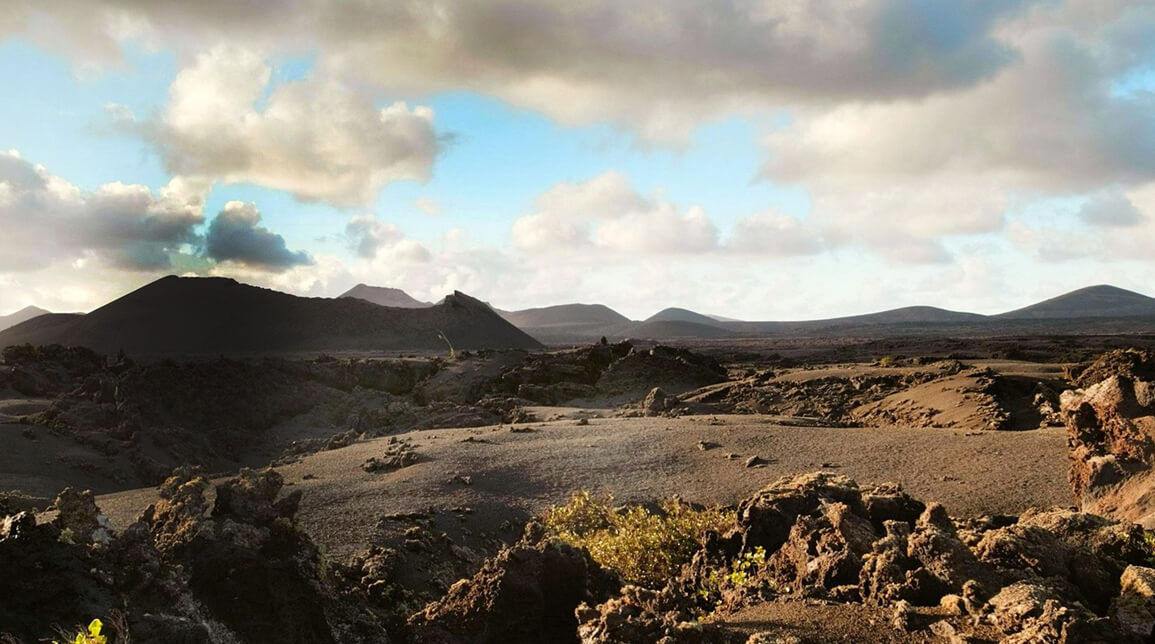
605,217
47,220
235,236
371,239
657,67
1112,209
49,224
1057,122
606,214
318,139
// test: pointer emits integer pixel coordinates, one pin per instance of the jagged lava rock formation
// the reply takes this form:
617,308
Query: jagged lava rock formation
1111,433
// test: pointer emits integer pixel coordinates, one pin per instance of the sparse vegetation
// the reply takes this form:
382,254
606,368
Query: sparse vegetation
645,548
742,572
91,636
452,352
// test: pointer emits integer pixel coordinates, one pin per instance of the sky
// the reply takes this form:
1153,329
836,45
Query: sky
757,159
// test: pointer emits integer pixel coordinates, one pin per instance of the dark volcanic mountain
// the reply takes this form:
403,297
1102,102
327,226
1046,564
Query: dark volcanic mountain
565,314
674,314
1101,301
384,296
24,314
207,316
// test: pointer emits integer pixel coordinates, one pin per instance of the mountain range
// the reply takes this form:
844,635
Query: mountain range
24,314
213,315
177,315
1094,309
385,296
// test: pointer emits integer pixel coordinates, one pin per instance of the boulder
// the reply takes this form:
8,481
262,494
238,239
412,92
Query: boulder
656,402
1111,433
526,594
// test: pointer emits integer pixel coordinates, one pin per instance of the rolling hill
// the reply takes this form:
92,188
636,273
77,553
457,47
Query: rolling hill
565,315
674,314
384,296
905,315
212,315
23,315
675,329
1100,301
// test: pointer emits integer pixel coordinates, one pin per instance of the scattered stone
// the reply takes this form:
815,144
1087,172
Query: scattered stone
754,461
655,403
474,439
766,637
398,454
953,605
946,631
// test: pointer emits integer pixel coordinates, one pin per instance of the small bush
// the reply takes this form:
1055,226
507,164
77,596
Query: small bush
643,547
93,635
742,572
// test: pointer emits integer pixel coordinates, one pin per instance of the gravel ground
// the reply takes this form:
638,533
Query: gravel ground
515,475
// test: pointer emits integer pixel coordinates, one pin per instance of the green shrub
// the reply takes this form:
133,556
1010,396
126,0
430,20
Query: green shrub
644,548
742,572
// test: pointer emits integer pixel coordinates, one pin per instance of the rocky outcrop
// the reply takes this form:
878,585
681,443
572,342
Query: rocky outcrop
673,369
1057,576
526,594
246,562
189,571
643,615
1111,435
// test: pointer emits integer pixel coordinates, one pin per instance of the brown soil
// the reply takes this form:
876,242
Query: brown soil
516,475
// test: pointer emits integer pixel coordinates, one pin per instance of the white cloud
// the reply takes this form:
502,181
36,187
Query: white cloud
775,235
382,242
428,206
657,67
318,139
607,215
47,220
1051,124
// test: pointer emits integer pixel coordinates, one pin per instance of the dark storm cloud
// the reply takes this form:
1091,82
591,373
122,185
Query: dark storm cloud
235,236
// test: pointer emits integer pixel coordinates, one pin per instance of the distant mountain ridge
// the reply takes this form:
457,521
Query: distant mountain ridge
385,296
23,315
219,315
1111,305
565,314
211,315
1090,302
675,314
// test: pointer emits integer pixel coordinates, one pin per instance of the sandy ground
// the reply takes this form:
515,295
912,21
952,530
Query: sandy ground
515,475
